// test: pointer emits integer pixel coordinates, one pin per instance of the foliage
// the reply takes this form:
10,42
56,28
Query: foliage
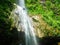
5,11
49,9
7,35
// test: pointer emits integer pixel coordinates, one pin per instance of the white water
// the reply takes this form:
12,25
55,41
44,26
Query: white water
26,24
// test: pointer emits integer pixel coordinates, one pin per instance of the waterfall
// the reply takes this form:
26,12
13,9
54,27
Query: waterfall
25,22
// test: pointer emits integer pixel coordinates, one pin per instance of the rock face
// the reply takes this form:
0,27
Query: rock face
16,18
36,23
42,29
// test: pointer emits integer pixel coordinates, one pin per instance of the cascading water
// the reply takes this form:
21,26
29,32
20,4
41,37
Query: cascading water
26,24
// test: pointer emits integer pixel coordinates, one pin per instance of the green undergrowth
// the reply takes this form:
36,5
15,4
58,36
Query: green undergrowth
50,10
6,6
8,34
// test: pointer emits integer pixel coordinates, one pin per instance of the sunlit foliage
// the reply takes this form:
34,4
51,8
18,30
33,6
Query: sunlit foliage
49,9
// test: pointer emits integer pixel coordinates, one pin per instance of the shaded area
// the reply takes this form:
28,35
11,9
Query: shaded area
9,38
21,37
49,40
16,38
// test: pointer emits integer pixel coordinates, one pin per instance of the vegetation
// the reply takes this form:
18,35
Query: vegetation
8,34
49,10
